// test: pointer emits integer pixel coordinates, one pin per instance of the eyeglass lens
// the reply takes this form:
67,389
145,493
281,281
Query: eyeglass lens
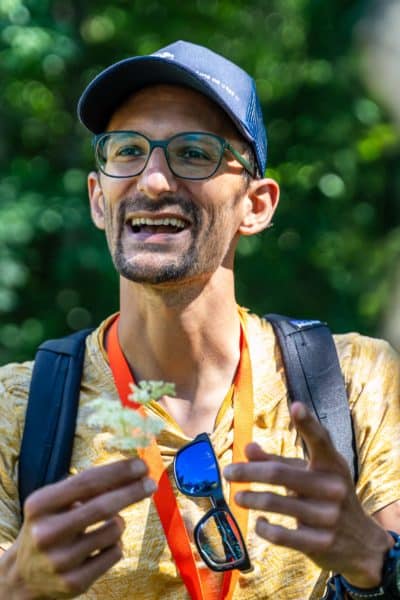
219,537
189,155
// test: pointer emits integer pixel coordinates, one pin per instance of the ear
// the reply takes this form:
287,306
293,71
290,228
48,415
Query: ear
96,199
262,200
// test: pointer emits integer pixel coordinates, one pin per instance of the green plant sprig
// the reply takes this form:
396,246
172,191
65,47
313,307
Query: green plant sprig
130,430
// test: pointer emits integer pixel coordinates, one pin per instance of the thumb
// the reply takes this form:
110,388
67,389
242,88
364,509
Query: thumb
321,451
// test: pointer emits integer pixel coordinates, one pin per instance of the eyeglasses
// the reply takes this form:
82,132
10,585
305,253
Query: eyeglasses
217,535
190,155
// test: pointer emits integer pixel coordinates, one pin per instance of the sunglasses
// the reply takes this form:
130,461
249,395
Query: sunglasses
217,535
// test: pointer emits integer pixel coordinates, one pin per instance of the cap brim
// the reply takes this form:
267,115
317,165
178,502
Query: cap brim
114,85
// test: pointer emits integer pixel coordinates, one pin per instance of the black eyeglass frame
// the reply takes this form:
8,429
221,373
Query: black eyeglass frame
218,504
164,145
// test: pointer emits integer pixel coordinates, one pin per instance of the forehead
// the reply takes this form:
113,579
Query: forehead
169,109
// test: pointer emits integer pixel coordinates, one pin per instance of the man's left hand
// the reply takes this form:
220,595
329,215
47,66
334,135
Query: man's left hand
332,527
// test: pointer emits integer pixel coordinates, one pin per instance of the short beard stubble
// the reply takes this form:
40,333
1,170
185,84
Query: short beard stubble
203,255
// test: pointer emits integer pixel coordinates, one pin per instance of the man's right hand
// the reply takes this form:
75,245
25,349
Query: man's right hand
72,531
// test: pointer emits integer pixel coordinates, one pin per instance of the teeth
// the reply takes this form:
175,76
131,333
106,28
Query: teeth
137,221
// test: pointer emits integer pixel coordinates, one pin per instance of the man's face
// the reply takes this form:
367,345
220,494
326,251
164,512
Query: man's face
157,250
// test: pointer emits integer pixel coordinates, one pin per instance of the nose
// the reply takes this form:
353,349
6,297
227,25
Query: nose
157,178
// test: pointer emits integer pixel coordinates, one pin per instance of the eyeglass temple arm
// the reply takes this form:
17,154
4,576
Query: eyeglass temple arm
218,501
243,161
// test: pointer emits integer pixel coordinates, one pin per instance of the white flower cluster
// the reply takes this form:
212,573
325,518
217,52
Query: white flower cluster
130,430
151,390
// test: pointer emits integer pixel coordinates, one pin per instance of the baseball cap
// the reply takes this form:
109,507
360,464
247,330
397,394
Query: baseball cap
185,64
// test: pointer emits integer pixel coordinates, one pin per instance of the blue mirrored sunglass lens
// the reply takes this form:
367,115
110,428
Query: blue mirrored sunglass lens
196,471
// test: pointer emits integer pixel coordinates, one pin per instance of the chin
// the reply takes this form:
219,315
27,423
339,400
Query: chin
151,274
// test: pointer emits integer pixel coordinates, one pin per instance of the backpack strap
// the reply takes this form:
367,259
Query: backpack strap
48,435
314,377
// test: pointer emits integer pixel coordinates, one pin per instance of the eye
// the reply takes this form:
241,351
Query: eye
127,151
193,153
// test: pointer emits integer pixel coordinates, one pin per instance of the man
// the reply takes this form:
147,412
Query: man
181,152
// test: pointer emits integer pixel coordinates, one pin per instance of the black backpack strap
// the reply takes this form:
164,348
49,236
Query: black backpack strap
314,377
48,436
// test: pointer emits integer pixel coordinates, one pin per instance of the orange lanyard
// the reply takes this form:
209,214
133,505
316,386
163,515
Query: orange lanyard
164,497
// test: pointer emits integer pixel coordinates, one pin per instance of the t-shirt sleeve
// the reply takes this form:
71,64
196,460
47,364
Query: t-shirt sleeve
14,387
372,373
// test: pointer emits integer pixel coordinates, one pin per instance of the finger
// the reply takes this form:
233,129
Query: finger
83,486
80,579
255,453
305,539
308,512
55,528
321,450
303,482
70,556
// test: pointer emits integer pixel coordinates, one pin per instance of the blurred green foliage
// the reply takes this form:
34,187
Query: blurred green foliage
336,238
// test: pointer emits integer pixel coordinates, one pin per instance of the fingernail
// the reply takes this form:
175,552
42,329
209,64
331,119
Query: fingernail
228,471
239,497
149,486
138,467
301,412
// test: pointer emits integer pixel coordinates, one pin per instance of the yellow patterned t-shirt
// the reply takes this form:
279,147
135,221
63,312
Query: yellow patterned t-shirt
147,572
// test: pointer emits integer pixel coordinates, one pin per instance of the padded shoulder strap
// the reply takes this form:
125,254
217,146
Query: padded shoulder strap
314,377
48,436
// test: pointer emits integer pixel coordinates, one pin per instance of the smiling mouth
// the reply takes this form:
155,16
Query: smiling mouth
171,225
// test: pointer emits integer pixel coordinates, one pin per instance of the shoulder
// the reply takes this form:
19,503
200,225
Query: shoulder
354,346
367,362
15,380
358,354
15,375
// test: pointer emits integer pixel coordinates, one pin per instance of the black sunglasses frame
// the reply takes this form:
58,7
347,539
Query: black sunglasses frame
164,145
219,504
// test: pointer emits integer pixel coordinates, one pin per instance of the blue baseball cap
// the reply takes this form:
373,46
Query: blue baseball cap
186,64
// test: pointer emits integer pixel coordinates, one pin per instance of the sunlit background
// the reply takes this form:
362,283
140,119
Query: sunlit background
328,76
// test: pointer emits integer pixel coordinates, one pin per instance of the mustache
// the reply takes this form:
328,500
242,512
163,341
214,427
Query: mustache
143,203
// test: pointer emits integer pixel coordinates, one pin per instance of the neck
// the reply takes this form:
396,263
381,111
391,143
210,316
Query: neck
189,336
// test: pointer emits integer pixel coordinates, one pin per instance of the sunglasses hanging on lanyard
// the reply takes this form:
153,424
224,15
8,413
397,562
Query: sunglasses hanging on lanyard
217,535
